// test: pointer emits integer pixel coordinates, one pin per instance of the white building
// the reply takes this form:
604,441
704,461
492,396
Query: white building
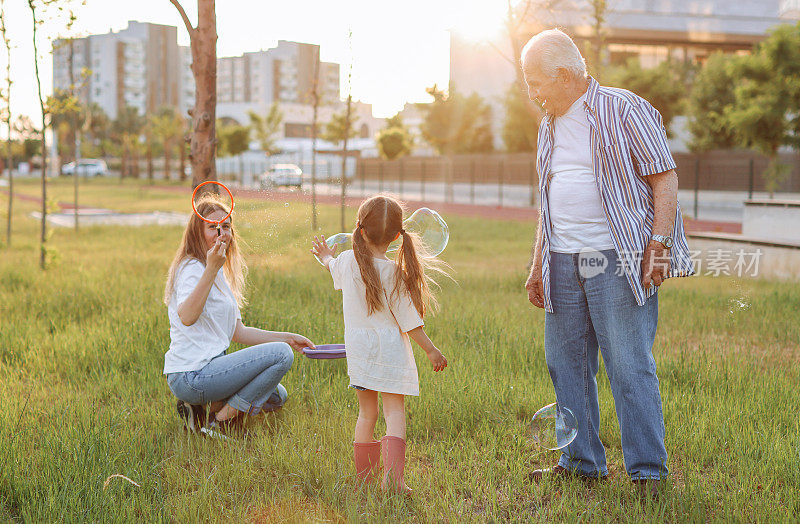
285,74
139,66
143,67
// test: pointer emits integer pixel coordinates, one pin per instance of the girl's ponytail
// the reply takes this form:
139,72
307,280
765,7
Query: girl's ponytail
411,271
370,276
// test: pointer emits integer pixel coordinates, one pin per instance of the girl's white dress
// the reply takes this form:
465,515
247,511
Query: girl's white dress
379,355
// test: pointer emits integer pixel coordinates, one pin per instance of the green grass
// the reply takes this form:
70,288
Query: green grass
81,353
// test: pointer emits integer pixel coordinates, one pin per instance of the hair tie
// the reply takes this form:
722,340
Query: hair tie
402,231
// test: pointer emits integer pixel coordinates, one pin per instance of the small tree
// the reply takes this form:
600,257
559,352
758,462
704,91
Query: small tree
7,100
520,128
394,140
167,127
454,124
233,140
766,112
126,129
37,8
711,99
338,128
66,115
267,128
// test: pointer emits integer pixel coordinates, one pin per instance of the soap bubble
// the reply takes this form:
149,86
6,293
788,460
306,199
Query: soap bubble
741,302
553,427
340,241
431,228
425,222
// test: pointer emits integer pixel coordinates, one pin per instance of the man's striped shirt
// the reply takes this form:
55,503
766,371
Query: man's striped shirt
628,143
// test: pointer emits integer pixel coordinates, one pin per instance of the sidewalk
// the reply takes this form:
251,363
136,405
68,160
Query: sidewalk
496,212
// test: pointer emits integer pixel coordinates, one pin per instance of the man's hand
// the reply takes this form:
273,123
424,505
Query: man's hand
535,286
655,264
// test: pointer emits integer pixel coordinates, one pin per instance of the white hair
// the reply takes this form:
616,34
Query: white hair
554,50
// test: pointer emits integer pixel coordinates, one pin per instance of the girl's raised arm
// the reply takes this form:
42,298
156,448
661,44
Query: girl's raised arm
321,250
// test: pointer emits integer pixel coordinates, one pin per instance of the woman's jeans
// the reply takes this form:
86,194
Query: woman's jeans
247,379
594,307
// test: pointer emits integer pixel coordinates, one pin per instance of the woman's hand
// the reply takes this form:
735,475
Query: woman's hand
321,250
215,257
298,342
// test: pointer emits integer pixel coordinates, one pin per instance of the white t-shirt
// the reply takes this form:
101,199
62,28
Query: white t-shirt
576,214
192,347
379,355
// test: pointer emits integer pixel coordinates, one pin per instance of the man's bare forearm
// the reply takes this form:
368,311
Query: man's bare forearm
665,201
537,247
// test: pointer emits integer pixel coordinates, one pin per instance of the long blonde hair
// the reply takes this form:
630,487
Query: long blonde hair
193,246
380,219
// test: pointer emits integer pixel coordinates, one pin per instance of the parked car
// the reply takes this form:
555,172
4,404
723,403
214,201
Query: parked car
282,175
86,167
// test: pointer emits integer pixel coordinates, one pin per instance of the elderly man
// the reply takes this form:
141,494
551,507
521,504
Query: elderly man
609,233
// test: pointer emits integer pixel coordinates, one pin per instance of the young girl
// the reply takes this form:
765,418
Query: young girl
203,293
384,303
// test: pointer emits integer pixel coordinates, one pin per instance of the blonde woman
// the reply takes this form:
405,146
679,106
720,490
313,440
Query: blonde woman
203,294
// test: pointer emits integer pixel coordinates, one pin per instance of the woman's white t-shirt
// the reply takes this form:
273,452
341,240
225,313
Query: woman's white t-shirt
379,355
192,347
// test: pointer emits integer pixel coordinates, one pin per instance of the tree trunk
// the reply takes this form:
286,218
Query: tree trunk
135,159
315,95
10,162
43,245
182,149
204,67
149,157
167,159
344,161
123,169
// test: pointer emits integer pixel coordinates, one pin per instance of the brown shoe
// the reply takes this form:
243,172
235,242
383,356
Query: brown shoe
193,415
555,472
559,472
648,488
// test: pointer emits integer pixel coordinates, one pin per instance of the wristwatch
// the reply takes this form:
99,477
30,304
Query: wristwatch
666,241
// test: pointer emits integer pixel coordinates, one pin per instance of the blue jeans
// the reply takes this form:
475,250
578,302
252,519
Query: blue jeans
594,308
247,379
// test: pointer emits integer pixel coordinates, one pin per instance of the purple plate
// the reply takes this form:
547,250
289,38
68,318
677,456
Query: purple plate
325,351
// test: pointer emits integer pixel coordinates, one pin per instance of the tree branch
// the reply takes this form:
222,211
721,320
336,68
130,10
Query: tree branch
183,15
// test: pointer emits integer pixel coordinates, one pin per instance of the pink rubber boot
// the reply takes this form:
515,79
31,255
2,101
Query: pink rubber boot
367,456
394,461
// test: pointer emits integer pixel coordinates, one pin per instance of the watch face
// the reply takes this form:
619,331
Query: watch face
668,242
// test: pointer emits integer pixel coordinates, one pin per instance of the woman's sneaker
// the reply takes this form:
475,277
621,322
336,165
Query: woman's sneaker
193,415
225,429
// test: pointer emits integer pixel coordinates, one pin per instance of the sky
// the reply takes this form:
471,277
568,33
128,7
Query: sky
396,51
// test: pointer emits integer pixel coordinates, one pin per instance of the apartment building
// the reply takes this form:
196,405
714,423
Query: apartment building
143,67
139,66
284,74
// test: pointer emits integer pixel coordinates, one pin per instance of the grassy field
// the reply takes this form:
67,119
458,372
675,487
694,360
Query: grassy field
82,345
